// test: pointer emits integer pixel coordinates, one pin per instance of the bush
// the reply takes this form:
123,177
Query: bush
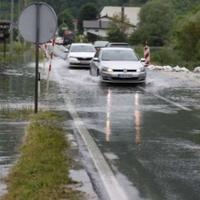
164,56
167,56
187,36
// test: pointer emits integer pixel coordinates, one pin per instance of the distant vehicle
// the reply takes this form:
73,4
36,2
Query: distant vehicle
117,44
68,37
100,44
80,54
59,40
118,65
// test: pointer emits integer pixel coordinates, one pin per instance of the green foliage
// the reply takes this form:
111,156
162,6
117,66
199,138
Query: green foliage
17,113
65,18
20,49
87,12
117,31
137,2
116,35
165,56
183,6
187,36
156,20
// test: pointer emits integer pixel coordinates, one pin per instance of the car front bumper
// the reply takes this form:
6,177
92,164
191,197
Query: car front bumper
76,62
137,77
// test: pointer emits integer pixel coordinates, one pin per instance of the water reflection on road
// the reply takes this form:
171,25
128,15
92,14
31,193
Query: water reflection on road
149,143
16,91
11,134
108,119
137,115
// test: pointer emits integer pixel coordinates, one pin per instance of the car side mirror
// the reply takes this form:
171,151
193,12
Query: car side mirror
66,50
142,60
96,59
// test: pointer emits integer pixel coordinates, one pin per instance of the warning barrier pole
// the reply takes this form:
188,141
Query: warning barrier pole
50,64
147,54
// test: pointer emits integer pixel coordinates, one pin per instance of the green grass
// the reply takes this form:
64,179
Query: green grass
41,172
23,113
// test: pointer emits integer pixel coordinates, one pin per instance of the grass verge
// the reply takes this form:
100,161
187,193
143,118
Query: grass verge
23,113
41,172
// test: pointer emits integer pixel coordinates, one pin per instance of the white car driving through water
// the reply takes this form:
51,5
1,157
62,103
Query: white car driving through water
118,65
80,54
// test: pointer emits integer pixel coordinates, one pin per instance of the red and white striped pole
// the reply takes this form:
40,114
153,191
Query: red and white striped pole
51,55
50,64
147,54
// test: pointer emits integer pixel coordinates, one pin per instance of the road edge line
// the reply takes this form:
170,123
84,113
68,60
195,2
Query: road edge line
113,188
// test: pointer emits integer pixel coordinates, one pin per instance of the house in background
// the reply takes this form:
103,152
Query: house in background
98,28
132,13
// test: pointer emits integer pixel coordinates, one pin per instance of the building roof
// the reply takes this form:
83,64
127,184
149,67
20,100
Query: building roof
100,23
132,13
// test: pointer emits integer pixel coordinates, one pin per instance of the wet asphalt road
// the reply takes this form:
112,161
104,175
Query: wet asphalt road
150,135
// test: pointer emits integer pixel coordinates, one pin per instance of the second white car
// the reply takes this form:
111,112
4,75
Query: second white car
80,54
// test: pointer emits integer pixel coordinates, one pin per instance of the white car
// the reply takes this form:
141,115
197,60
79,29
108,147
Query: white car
118,65
80,54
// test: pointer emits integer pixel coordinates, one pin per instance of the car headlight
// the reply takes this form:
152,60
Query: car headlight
141,69
73,58
107,69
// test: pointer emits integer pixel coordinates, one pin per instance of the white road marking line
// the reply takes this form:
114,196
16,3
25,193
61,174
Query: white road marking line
112,186
167,100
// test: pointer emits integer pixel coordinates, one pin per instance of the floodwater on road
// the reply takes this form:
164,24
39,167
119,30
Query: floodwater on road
15,84
11,134
16,91
150,135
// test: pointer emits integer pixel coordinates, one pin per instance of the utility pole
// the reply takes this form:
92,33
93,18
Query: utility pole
0,8
19,7
11,25
122,13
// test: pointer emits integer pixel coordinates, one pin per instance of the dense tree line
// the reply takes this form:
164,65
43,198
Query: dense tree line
173,24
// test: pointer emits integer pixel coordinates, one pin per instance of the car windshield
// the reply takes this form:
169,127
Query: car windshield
119,55
82,48
100,43
118,45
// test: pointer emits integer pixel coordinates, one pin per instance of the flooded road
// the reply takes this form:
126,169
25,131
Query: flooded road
16,91
11,134
150,135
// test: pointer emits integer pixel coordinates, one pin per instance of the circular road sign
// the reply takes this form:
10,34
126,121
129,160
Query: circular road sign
38,23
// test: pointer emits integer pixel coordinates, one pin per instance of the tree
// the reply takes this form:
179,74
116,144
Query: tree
117,31
156,21
137,2
116,35
58,5
182,6
87,12
187,36
66,18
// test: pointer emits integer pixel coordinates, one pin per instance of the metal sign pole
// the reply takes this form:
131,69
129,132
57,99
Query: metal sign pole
37,54
37,24
4,48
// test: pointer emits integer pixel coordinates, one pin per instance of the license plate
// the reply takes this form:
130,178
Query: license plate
125,76
84,62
